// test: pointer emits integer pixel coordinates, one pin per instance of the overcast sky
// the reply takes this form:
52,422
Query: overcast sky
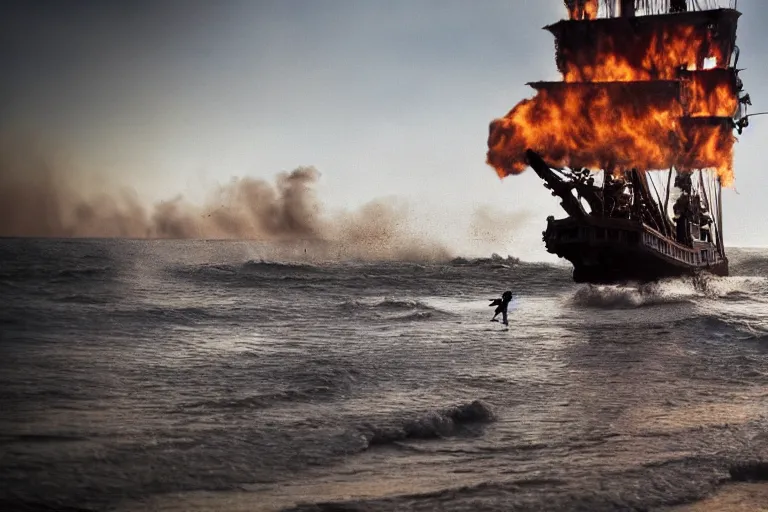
384,97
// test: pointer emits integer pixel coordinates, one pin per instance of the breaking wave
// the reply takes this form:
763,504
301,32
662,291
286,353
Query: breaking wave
621,297
453,421
495,260
668,291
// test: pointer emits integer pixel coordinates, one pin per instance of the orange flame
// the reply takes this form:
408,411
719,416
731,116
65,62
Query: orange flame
655,56
582,9
709,145
711,93
637,93
606,127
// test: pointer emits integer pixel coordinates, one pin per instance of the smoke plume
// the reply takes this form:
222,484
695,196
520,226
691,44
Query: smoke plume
491,227
38,199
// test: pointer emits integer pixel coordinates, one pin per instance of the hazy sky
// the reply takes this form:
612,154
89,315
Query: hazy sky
384,97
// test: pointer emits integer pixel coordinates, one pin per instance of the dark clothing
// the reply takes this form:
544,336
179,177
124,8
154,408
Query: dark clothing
501,306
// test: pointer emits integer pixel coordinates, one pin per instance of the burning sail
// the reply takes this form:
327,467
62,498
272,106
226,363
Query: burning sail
630,48
649,92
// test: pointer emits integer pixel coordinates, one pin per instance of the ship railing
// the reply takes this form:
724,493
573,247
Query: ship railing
701,254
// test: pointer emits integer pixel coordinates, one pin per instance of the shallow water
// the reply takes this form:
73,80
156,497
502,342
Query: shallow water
194,376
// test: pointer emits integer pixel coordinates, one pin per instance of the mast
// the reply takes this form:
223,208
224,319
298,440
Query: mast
627,8
720,242
703,189
660,211
666,198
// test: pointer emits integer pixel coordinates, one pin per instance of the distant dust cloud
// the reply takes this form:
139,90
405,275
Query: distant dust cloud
40,199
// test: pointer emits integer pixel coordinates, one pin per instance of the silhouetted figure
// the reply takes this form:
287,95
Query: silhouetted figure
501,307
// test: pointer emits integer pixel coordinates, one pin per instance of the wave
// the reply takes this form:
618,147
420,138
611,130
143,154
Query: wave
251,272
52,273
627,297
395,309
727,287
77,273
188,316
420,315
262,401
191,312
389,304
78,298
401,304
748,262
260,267
41,438
669,291
494,260
729,327
448,422
227,269
275,266
666,485
314,379
751,267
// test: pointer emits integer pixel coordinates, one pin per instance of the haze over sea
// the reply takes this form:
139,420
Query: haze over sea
193,375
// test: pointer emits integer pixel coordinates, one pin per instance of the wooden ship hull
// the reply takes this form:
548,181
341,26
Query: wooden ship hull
606,251
636,243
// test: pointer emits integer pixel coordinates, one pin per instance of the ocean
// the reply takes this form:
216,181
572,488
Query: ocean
192,375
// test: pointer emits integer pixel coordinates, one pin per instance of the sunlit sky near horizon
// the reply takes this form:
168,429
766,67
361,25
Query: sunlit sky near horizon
384,98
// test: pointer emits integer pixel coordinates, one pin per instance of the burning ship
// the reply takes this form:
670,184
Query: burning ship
636,140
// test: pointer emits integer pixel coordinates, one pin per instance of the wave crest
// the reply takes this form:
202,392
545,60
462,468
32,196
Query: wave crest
449,422
393,309
625,297
401,304
668,291
495,261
